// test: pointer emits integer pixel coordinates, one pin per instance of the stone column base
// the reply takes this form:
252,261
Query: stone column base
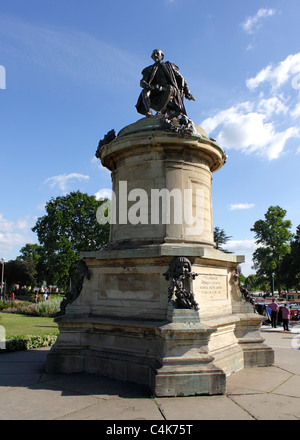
172,359
123,326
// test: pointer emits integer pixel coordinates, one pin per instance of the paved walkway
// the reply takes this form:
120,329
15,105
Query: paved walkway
27,392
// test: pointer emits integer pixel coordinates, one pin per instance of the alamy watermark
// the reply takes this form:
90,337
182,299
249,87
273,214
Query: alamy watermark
161,206
296,82
2,77
2,338
296,339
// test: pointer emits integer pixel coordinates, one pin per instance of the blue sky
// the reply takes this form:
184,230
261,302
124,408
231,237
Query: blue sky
72,72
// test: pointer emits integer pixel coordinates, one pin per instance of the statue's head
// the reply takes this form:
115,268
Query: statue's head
179,266
157,55
182,266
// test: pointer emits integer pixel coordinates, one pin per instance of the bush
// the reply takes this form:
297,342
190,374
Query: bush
28,342
24,308
4,305
48,308
44,308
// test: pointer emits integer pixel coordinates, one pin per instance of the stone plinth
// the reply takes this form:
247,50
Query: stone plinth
162,165
123,324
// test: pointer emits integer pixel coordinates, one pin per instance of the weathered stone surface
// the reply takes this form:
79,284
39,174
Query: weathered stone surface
148,158
122,324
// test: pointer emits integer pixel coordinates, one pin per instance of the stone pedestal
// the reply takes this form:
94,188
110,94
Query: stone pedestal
123,324
169,169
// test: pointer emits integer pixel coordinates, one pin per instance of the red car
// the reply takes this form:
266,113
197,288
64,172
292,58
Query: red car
295,312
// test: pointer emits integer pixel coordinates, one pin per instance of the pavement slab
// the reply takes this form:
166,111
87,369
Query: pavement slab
202,408
118,409
290,387
270,406
258,393
40,403
96,386
256,380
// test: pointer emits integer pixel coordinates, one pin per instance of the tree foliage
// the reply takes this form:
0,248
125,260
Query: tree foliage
69,227
221,238
295,253
31,254
273,236
19,272
290,267
254,282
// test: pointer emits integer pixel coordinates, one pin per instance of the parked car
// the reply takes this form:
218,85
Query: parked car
295,311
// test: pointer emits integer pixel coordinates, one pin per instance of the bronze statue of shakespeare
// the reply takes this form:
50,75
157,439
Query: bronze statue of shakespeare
163,88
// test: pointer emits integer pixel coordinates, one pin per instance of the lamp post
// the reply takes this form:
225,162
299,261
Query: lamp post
273,274
2,276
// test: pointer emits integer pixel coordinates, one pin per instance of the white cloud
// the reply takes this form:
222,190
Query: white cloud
62,180
270,106
251,127
295,113
226,115
245,248
9,226
14,235
246,132
97,164
241,245
104,193
238,206
276,146
9,240
253,23
276,75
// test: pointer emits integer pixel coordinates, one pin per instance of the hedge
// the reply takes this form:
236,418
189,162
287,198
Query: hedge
21,342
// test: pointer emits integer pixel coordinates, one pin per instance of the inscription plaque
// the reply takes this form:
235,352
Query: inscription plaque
214,286
133,286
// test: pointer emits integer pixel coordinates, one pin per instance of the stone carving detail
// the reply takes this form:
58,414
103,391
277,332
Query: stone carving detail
244,292
185,125
180,276
110,136
75,291
246,295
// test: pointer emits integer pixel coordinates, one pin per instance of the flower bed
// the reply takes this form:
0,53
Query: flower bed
16,343
44,308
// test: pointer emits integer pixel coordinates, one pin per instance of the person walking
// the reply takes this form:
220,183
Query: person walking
286,316
274,314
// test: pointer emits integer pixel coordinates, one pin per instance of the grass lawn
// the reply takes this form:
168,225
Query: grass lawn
16,325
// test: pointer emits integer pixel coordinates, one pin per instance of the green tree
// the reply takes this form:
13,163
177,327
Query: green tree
242,280
31,254
221,238
69,227
257,283
273,237
290,267
19,272
295,253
